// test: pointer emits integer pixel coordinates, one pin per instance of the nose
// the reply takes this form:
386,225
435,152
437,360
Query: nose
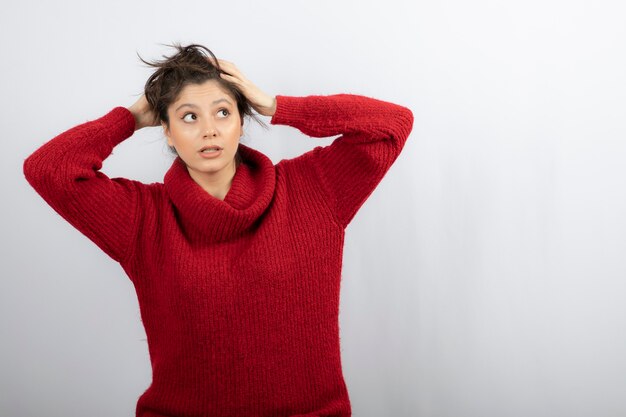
210,131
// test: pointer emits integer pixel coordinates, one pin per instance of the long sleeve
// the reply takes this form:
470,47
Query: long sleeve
65,171
373,133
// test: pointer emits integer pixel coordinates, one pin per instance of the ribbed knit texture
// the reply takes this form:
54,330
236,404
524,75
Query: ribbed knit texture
239,298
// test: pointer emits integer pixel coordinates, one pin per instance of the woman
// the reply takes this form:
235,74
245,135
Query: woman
236,261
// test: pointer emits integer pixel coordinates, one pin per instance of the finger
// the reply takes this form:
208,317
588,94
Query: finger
224,62
220,63
230,68
231,78
236,78
213,61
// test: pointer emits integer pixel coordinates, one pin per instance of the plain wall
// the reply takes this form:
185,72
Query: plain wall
484,277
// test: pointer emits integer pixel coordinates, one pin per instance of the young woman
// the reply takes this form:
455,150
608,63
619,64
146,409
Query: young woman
236,261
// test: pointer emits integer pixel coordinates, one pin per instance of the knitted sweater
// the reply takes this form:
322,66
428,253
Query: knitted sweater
239,298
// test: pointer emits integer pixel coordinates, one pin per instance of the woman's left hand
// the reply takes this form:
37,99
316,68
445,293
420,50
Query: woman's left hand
261,102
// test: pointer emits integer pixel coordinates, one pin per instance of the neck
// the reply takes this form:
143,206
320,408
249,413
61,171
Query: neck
218,183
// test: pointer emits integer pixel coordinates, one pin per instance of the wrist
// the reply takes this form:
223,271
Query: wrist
135,116
271,110
140,118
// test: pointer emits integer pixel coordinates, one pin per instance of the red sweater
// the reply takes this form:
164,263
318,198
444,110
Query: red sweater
239,298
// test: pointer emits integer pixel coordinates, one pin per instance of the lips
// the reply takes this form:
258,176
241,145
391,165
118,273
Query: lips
210,152
211,148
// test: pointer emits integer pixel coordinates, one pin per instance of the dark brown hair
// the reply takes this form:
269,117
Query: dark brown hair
190,64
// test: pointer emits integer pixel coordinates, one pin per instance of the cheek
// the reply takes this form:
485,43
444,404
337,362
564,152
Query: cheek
233,131
182,132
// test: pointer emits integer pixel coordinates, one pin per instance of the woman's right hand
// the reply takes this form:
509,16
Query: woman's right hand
143,113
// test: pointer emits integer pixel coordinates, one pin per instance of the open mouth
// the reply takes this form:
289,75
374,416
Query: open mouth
210,149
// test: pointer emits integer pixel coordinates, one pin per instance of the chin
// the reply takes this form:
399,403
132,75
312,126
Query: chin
211,167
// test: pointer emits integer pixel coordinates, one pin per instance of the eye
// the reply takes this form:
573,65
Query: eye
223,112
189,117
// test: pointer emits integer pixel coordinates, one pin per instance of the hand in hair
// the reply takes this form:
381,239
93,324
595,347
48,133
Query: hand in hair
261,102
143,113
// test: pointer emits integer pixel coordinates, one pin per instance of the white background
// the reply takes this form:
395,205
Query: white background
484,277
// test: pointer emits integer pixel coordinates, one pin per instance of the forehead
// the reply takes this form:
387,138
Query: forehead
203,94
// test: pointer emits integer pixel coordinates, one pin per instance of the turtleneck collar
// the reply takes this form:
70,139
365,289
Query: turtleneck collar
206,218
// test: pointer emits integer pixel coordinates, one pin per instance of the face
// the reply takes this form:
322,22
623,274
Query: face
205,116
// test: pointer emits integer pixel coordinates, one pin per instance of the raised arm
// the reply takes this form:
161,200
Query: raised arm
65,171
373,133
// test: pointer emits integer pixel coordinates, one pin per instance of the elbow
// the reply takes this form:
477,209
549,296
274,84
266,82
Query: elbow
405,122
39,172
31,169
401,126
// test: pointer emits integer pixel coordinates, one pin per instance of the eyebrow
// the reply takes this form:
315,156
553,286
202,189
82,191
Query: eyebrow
195,106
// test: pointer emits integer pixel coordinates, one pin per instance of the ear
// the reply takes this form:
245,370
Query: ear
166,131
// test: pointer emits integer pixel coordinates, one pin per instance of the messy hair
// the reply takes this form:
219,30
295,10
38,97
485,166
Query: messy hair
190,64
